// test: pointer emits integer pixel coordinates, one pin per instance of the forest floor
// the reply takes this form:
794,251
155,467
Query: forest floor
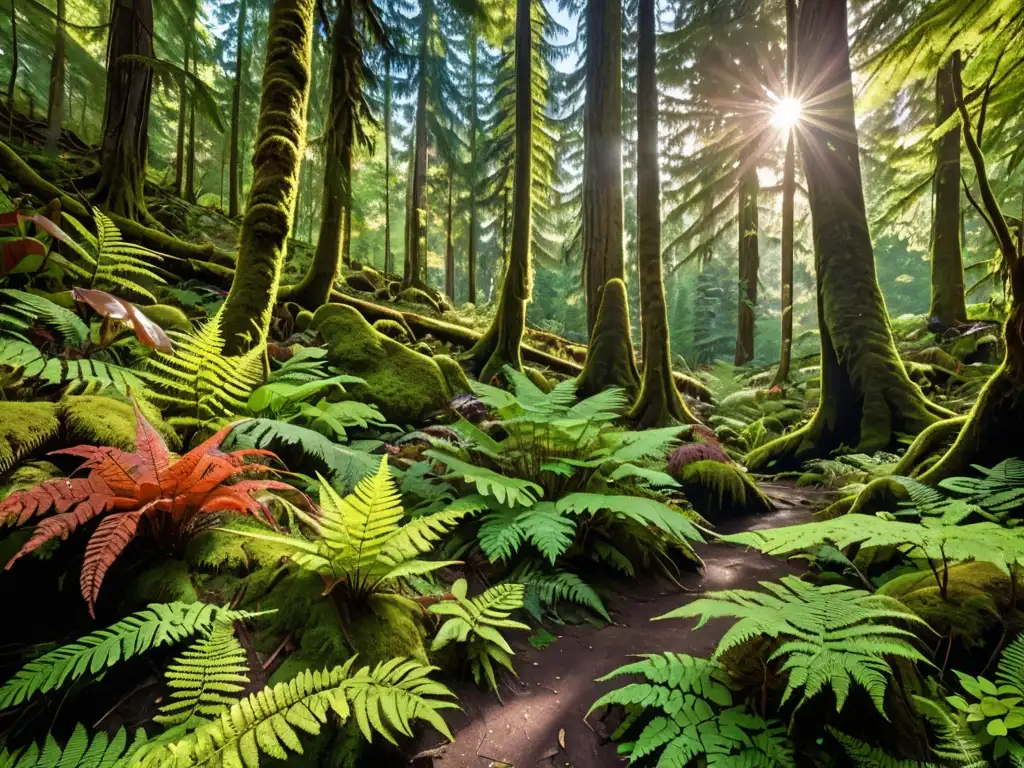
540,723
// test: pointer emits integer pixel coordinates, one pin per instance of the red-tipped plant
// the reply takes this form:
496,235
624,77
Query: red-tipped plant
132,489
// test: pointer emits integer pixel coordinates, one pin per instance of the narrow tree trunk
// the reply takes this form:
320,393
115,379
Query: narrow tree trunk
223,166
501,345
280,143
949,305
388,264
315,286
788,199
473,119
190,167
125,144
449,248
346,243
58,71
867,399
180,149
234,183
610,360
416,212
749,260
13,81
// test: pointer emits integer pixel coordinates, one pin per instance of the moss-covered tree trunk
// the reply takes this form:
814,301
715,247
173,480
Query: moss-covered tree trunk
388,264
315,287
659,403
500,345
280,143
473,128
346,240
948,305
749,261
603,258
125,143
449,245
234,186
416,210
58,72
867,399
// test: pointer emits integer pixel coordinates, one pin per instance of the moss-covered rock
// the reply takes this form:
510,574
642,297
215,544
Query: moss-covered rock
390,626
167,317
716,488
102,420
392,329
405,385
24,427
218,549
457,380
976,595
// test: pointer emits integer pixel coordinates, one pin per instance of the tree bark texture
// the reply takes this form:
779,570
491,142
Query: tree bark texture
58,73
234,185
749,261
416,211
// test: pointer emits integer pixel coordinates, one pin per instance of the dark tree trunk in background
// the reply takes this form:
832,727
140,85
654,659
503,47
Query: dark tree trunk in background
13,81
603,258
190,167
346,240
749,261
280,143
949,304
315,286
234,185
473,119
449,246
416,211
58,72
125,143
180,148
500,345
388,264
867,399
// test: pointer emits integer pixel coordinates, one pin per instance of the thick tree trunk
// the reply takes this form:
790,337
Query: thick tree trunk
234,187
58,71
603,258
388,264
416,211
659,403
749,261
315,286
949,305
125,145
180,149
280,143
449,246
501,345
867,399
473,119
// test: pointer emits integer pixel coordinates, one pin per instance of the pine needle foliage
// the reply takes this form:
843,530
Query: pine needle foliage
477,622
198,382
80,751
157,625
363,543
689,715
384,700
206,678
831,636
116,265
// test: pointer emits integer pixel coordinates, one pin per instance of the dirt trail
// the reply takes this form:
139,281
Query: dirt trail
556,685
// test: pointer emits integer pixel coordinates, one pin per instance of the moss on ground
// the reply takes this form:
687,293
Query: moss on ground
101,420
25,427
457,380
405,385
390,626
392,329
166,582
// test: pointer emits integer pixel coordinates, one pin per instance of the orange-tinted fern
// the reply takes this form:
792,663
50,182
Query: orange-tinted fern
129,488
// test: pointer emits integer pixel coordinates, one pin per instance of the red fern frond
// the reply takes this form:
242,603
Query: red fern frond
58,495
154,459
108,541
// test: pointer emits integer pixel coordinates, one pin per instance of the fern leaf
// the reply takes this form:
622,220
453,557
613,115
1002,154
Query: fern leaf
37,309
79,751
648,512
506,490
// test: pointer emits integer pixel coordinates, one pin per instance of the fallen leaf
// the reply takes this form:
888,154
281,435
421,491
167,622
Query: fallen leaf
561,737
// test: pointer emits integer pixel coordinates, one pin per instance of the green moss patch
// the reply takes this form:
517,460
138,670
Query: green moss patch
716,488
25,427
391,626
101,420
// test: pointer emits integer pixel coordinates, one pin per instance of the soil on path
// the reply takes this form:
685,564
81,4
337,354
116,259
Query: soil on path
556,685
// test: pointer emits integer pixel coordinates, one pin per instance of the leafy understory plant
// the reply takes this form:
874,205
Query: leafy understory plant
157,625
80,751
288,402
830,637
383,700
363,544
130,489
688,714
996,496
477,622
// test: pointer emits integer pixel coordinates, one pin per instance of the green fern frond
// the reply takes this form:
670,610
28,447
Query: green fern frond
1011,664
637,446
549,588
119,264
506,490
384,700
34,309
157,625
206,678
956,744
833,636
55,371
865,756
79,751
646,512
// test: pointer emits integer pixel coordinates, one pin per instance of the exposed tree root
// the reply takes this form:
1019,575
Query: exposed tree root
926,443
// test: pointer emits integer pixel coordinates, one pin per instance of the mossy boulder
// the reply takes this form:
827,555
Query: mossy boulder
716,489
24,427
101,420
976,595
392,329
413,295
167,317
390,626
405,385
